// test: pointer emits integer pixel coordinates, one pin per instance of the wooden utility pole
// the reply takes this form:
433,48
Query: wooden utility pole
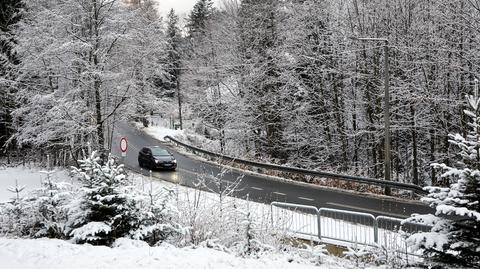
386,118
179,101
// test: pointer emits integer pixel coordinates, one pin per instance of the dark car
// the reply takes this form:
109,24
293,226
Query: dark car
156,158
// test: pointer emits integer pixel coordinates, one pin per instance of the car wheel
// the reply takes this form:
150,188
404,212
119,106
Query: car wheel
151,166
140,163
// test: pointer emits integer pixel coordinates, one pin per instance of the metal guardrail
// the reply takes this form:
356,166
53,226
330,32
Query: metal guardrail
364,180
344,226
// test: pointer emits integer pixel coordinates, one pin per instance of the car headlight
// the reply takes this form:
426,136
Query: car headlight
157,161
174,161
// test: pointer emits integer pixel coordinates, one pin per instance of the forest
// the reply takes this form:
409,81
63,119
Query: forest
285,82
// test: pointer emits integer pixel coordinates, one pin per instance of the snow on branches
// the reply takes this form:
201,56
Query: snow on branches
455,234
106,207
115,209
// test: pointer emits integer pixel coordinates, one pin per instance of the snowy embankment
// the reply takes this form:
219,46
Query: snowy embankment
159,128
205,213
128,254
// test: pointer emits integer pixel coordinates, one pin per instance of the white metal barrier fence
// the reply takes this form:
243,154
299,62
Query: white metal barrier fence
343,227
347,226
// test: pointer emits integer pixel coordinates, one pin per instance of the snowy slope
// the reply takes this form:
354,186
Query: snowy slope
47,253
53,254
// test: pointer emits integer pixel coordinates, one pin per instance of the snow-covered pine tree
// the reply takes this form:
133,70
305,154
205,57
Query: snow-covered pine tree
357,254
101,214
152,215
39,213
196,22
15,213
317,252
251,243
49,202
111,208
10,14
172,57
456,240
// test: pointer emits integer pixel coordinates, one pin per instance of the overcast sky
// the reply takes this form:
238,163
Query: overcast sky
181,7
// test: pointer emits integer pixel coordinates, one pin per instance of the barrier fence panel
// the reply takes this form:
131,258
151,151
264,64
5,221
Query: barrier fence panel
392,232
295,218
347,226
389,233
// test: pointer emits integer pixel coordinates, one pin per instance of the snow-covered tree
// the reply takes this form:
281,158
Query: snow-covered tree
261,76
251,234
316,252
15,214
455,235
85,64
49,212
198,18
153,215
110,208
172,59
38,213
357,254
10,14
102,206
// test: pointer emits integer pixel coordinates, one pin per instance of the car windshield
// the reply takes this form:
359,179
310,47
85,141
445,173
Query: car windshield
159,152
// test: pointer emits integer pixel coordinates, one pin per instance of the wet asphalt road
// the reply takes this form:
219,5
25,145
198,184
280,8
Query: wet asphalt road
260,189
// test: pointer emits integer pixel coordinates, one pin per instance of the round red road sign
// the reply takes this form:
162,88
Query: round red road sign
123,144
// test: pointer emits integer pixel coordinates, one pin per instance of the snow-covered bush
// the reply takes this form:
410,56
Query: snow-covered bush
317,253
15,218
49,202
455,240
110,208
222,222
250,243
359,254
153,216
212,220
392,253
39,213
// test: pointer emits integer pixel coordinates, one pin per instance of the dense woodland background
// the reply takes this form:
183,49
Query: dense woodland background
278,81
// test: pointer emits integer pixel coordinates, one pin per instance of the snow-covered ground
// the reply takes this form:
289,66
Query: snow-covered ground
45,253
23,176
51,253
128,254
159,128
159,132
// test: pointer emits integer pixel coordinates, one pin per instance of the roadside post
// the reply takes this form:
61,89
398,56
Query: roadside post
123,148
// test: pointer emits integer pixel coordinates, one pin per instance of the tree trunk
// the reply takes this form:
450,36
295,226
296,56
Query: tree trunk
415,180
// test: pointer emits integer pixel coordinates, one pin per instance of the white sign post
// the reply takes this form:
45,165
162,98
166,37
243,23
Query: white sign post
123,146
